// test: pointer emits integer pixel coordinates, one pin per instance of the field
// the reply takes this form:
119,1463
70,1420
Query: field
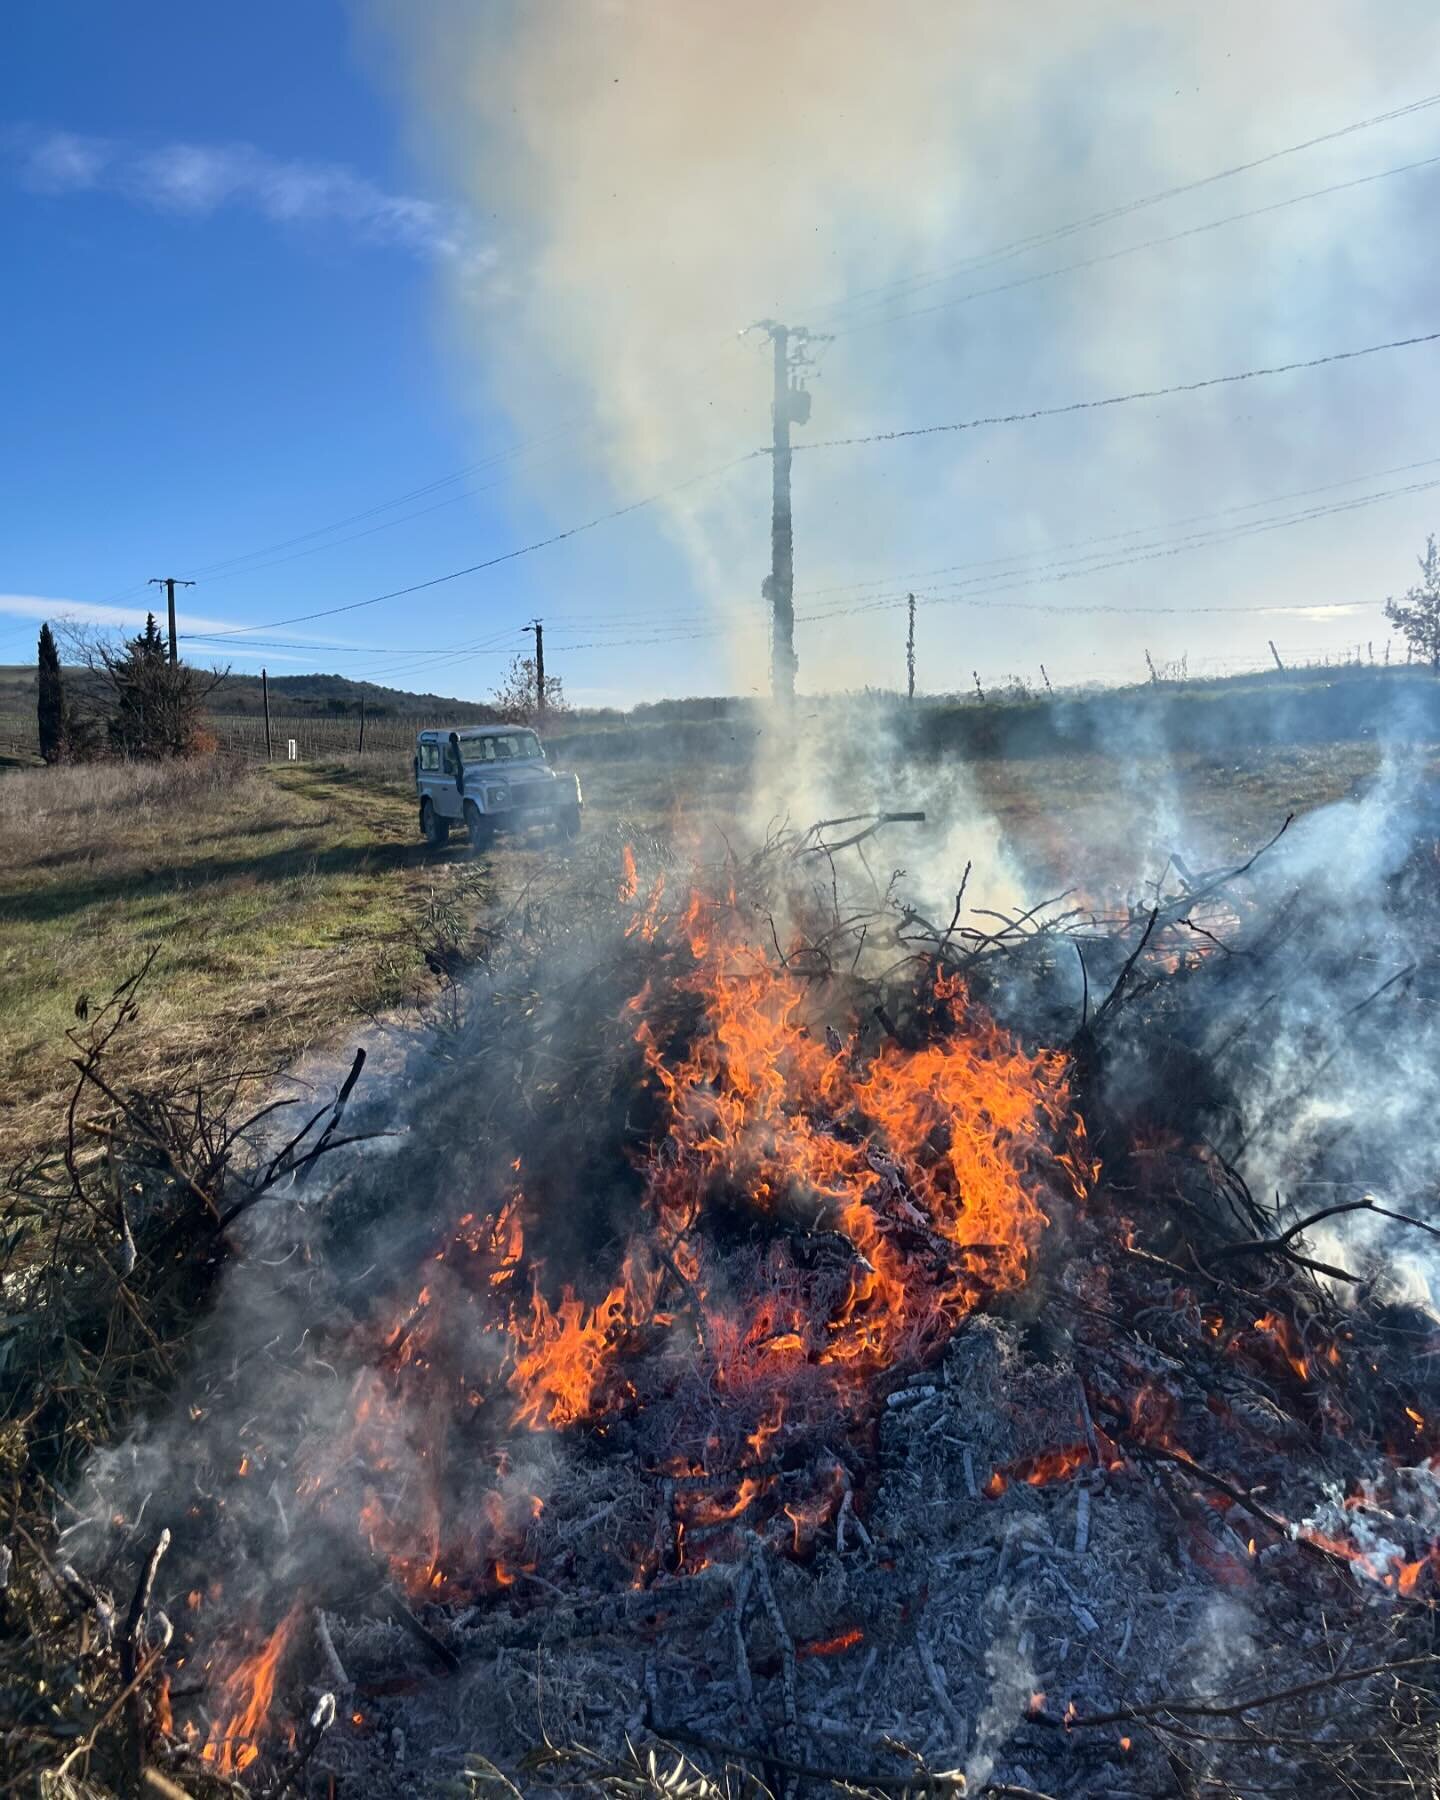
1317,706
290,911
283,903
280,903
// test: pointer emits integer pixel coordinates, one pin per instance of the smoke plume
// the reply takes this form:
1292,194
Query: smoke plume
657,179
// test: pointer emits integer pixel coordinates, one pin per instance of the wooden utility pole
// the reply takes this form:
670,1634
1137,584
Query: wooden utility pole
538,628
910,648
790,405
170,583
1276,654
265,701
360,747
782,533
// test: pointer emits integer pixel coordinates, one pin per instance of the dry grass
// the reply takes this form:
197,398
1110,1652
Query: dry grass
36,801
279,902
283,901
1088,819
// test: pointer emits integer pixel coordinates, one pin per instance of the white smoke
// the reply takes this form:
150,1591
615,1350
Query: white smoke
658,178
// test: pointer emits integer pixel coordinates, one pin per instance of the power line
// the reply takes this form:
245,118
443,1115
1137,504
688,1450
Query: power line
988,588
1109,256
351,537
485,487
1017,246
1002,581
1061,572
315,650
565,429
491,562
897,289
879,437
1110,537
369,512
1075,406
625,620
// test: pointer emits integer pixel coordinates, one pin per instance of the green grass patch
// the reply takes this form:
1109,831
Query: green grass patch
278,903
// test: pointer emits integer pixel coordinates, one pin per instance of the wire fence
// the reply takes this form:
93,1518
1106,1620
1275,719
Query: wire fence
315,738
292,739
302,738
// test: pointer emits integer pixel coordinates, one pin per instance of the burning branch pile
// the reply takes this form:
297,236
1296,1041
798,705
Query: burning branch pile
787,1332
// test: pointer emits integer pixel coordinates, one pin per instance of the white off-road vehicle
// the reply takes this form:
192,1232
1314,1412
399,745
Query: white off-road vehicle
490,778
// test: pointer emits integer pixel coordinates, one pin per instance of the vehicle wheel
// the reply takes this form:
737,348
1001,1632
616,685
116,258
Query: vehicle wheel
434,829
570,822
482,831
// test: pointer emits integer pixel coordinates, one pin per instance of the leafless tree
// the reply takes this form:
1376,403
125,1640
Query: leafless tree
515,694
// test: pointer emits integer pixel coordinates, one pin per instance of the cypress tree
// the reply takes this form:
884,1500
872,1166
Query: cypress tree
50,698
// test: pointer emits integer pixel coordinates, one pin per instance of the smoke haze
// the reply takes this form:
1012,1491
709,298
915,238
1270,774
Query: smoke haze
655,180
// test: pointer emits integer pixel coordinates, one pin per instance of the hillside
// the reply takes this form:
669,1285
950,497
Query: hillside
296,696
1324,705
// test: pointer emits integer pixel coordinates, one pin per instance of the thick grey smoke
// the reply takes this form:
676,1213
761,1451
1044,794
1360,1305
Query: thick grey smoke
838,758
655,179
1338,1027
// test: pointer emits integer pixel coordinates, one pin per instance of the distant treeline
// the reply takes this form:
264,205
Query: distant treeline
1295,706
1214,717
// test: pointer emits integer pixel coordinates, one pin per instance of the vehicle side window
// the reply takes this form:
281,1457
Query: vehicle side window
430,757
451,767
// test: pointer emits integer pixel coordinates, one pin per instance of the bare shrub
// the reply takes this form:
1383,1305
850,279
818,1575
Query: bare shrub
517,693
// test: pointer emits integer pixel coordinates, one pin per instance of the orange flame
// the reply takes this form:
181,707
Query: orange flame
1282,1332
934,1169
247,1693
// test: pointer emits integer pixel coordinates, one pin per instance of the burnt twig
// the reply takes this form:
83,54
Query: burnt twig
130,1645
877,821
402,1615
1230,1709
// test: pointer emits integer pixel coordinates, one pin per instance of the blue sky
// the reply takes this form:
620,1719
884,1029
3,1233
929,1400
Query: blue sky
275,267
192,375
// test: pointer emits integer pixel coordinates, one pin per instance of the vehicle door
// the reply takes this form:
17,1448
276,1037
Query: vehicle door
430,777
447,792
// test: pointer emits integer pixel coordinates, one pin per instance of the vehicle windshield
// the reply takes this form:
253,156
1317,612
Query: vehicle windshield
510,746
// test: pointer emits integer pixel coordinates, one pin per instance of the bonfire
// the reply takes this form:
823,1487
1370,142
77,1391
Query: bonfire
767,1339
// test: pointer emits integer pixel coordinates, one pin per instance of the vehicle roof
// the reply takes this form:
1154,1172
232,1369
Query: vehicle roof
443,731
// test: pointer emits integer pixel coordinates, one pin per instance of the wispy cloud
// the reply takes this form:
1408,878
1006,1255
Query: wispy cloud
91,612
198,180
106,617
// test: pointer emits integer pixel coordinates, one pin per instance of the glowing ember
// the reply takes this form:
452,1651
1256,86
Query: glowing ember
1051,1465
833,1646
